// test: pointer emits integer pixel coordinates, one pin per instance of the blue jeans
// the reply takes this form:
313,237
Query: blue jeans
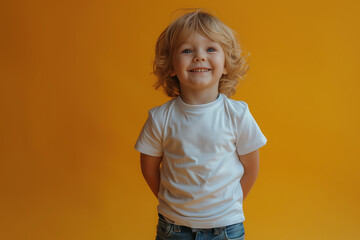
168,231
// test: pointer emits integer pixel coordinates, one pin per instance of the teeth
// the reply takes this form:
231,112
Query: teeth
200,70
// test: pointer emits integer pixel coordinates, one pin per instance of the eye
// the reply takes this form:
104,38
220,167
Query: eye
211,49
186,51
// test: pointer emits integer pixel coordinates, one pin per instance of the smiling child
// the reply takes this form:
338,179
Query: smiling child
199,151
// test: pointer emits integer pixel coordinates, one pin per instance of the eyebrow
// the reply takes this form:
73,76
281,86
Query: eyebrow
209,41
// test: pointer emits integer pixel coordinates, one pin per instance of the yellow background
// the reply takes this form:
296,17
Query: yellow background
76,85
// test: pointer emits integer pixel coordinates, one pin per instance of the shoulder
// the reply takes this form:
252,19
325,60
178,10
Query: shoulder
236,108
160,112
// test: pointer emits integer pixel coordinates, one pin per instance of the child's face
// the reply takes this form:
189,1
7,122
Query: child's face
198,63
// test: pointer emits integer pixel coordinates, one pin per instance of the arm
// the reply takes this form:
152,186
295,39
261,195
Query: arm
250,162
150,168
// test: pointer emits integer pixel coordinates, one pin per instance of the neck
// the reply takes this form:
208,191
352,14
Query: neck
197,98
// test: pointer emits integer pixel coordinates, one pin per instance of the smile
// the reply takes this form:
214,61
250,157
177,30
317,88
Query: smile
200,70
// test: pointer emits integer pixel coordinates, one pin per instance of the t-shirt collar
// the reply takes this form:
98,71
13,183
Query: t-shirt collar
199,107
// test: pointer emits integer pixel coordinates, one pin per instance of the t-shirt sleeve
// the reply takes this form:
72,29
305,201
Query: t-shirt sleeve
249,136
150,138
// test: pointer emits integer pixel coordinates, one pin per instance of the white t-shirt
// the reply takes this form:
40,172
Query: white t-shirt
201,172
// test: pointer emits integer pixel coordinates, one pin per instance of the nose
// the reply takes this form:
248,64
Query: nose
199,57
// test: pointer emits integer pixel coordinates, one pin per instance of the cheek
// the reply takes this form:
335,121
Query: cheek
220,62
179,64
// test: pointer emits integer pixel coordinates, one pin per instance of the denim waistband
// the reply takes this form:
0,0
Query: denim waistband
180,228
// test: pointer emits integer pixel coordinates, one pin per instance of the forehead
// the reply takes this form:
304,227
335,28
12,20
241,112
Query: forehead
190,37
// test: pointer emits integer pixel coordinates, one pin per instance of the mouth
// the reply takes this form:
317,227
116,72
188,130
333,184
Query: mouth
200,70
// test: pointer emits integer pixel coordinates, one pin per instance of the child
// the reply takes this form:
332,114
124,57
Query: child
199,151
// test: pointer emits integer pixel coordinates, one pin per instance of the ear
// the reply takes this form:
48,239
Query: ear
173,73
224,70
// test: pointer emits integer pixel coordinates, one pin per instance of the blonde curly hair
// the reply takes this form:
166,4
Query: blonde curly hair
209,26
